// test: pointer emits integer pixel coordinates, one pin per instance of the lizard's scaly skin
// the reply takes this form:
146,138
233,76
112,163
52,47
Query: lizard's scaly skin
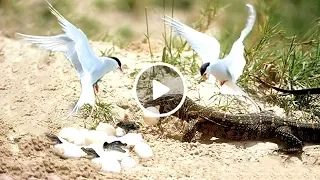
253,126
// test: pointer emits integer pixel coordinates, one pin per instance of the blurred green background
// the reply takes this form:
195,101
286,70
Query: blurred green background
126,18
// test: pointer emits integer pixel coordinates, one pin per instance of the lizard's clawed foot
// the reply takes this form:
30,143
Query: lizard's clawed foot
289,151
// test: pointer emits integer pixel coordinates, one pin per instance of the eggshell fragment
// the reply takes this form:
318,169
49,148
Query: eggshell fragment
143,150
131,139
128,163
120,132
106,127
148,118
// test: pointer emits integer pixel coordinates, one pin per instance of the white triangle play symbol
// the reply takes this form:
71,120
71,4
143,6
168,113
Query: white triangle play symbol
158,89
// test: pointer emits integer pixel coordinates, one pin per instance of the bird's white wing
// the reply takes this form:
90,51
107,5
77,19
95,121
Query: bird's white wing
88,59
61,43
235,60
207,47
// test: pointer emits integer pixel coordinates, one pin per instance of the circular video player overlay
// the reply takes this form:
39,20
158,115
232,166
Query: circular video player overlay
156,80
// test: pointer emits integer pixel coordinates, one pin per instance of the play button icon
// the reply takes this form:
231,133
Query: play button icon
156,80
158,89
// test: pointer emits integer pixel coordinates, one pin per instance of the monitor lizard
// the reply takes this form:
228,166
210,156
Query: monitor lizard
254,126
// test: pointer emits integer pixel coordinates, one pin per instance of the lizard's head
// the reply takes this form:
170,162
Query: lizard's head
128,125
54,138
107,145
91,152
166,102
168,99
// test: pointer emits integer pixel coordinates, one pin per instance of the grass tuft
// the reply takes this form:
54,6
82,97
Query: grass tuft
103,112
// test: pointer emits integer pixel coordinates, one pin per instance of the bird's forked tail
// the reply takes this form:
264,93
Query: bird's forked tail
231,88
87,97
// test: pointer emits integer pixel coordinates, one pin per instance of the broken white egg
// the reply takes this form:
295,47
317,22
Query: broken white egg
105,127
107,164
111,139
120,132
131,139
69,133
128,163
95,137
143,150
80,137
98,147
115,154
68,150
150,119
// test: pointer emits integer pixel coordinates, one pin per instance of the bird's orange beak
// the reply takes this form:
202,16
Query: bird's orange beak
96,87
204,75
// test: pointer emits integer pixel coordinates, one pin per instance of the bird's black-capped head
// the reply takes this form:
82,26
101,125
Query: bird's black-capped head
118,61
203,69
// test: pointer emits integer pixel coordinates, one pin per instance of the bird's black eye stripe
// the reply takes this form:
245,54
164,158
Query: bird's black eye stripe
116,59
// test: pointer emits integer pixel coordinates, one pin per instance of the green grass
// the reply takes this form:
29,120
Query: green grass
103,112
293,62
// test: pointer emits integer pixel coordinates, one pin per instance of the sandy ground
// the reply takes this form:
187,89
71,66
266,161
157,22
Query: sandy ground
37,90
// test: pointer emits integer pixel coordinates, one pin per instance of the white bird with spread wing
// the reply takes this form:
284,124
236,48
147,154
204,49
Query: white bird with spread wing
75,46
227,70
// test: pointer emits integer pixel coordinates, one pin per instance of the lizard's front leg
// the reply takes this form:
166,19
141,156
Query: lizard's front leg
292,144
193,124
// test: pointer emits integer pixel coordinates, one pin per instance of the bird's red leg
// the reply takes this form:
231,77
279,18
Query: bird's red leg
222,82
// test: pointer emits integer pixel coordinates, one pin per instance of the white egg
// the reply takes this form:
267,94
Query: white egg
111,139
131,139
128,163
143,150
107,164
115,154
68,150
108,128
96,146
68,133
120,132
148,118
80,138
95,137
